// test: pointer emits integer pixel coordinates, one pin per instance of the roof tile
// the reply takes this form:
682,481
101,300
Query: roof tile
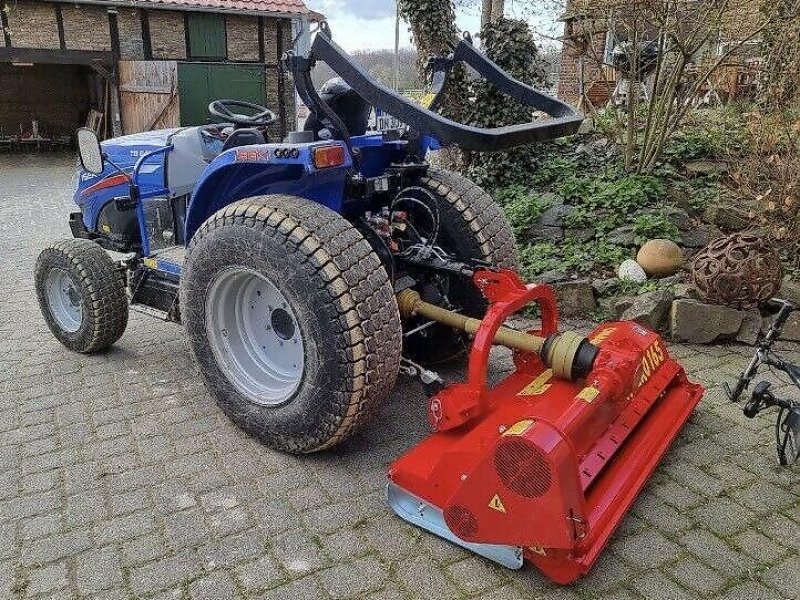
270,6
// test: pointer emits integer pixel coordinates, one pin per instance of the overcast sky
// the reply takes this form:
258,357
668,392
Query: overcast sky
370,24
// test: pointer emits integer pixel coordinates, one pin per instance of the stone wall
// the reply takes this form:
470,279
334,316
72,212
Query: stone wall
33,25
86,27
167,34
242,34
131,40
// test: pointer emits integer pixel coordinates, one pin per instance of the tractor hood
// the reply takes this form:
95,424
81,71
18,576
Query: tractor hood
126,150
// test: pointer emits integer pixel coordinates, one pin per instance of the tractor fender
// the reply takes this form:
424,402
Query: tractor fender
255,171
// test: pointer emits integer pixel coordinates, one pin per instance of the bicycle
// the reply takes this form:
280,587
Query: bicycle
787,425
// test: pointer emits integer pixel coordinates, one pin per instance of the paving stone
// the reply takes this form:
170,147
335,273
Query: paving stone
165,573
713,551
47,579
784,577
351,580
98,570
144,549
217,586
724,517
56,547
646,549
186,529
120,478
263,573
301,589
695,575
653,585
424,580
299,552
749,590
475,574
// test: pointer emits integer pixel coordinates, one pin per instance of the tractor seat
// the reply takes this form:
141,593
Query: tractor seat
243,137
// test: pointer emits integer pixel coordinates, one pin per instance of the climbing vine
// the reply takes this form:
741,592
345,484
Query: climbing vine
433,27
510,44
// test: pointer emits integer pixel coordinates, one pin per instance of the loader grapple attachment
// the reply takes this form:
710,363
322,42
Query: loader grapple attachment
544,466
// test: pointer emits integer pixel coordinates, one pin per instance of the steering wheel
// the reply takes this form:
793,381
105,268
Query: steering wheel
261,116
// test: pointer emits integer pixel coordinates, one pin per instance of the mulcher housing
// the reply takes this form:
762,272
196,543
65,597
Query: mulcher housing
303,268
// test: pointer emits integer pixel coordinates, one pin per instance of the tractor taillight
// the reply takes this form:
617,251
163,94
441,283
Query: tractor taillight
326,157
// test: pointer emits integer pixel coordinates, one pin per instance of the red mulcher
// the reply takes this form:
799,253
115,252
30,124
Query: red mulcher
545,465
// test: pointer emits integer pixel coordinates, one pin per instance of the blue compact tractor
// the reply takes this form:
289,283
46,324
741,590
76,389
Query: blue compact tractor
283,258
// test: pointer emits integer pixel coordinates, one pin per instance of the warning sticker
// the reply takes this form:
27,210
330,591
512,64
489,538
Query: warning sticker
588,394
518,428
497,504
538,386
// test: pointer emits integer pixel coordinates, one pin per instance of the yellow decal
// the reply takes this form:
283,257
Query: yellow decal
602,336
106,228
150,263
427,100
538,550
588,394
497,504
518,428
537,386
653,358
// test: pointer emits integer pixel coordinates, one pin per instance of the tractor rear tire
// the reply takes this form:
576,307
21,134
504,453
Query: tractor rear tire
473,227
82,295
315,338
473,224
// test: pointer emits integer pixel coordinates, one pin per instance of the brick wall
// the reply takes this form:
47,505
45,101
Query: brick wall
33,25
271,41
242,34
167,34
131,43
29,92
86,27
570,76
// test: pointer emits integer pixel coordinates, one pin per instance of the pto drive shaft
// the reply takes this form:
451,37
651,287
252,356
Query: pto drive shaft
570,355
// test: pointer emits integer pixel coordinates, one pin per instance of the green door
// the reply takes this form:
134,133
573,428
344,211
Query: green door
199,84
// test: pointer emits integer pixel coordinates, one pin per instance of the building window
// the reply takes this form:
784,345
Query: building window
205,33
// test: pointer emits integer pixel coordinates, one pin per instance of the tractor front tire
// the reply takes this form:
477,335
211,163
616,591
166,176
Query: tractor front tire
473,227
82,295
292,321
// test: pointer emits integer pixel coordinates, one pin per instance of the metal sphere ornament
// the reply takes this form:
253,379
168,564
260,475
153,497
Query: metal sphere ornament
739,270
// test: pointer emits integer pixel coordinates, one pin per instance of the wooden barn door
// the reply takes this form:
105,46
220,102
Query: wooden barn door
200,83
149,95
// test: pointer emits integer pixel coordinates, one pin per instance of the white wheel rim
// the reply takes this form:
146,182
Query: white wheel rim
255,336
64,300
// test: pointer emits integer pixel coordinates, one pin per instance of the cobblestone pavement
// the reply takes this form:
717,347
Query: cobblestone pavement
119,478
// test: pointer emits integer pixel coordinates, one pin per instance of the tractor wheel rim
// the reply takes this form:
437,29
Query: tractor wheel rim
64,300
255,336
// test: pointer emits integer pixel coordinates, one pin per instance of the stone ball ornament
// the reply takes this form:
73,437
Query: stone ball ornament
740,270
660,258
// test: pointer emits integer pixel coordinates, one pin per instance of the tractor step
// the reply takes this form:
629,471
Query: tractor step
169,260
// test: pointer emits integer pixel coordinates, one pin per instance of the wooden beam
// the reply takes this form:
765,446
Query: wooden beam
262,52
147,43
4,23
62,40
281,83
56,57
